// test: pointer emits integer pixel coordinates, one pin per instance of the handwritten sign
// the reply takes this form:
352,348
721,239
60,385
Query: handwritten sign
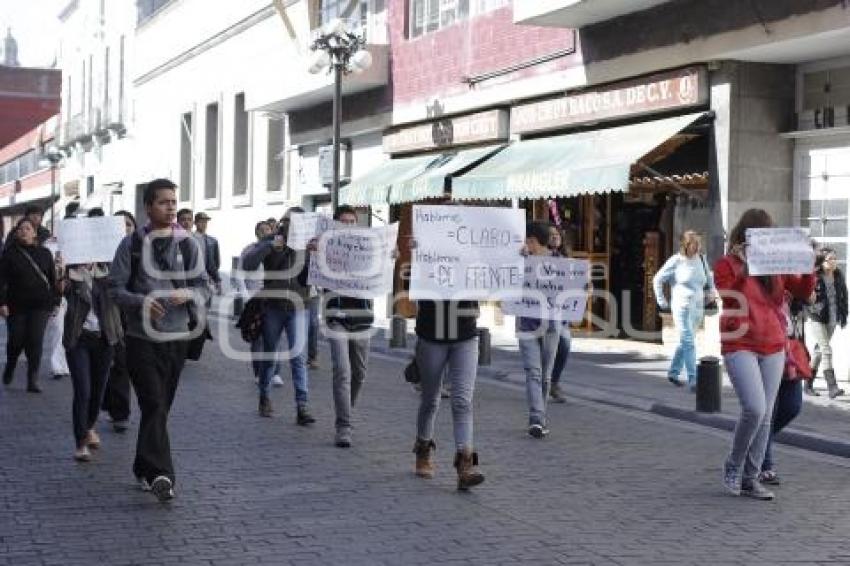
554,289
354,261
305,226
466,252
89,240
779,251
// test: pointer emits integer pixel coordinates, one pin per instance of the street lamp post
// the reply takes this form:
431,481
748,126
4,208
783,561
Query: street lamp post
53,157
340,51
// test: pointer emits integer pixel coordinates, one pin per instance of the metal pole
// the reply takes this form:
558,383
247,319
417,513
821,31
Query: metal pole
337,119
52,196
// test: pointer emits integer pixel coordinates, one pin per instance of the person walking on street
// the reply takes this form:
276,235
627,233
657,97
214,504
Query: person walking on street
691,286
159,281
92,329
753,341
538,343
35,214
789,398
827,314
558,248
209,247
447,339
184,219
284,294
252,283
349,321
116,398
28,295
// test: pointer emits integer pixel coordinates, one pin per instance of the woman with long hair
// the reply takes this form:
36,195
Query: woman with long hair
28,294
827,314
559,247
92,329
753,334
688,275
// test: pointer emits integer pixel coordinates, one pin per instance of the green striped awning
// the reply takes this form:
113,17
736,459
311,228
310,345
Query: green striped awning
373,187
587,162
431,183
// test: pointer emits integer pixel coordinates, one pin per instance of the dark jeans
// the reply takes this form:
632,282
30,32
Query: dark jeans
26,334
88,362
116,399
155,372
313,329
561,357
789,401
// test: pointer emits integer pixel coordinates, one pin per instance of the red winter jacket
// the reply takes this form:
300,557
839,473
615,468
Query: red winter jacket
754,326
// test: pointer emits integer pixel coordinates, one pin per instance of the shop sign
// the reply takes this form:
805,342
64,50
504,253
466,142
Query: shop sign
482,127
673,90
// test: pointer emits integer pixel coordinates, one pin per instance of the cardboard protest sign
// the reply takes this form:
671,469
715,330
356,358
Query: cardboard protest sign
305,226
466,252
355,261
554,288
89,240
779,251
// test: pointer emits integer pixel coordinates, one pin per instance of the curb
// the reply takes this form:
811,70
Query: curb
790,436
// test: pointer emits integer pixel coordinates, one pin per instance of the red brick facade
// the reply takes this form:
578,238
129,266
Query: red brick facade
28,97
436,64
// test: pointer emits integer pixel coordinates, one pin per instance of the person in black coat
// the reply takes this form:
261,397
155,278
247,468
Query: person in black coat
828,312
28,294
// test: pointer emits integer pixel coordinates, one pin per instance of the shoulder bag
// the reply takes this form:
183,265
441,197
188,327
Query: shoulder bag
709,305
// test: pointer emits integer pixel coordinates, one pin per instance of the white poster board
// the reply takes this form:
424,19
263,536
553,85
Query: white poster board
89,240
305,226
554,288
779,251
355,261
466,252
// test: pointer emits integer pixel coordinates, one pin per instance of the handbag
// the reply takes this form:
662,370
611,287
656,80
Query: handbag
411,372
709,307
250,321
797,359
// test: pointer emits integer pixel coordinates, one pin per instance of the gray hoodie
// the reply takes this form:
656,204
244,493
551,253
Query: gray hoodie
170,261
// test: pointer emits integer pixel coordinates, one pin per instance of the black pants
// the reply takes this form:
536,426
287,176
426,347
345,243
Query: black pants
88,362
26,334
155,372
116,399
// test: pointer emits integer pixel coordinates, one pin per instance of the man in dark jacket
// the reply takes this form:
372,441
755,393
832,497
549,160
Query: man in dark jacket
285,294
159,281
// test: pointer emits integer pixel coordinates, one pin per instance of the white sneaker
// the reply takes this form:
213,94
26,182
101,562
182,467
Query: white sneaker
277,381
82,454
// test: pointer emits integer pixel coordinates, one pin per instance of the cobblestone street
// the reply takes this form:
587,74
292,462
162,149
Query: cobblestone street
609,486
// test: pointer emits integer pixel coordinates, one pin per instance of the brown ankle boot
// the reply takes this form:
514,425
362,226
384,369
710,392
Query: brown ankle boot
466,463
424,450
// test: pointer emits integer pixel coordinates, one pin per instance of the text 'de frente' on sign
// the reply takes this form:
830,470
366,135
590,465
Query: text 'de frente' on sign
779,251
466,252
554,289
305,226
89,240
355,261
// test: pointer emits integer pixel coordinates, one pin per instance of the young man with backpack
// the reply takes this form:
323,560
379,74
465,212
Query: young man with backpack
159,281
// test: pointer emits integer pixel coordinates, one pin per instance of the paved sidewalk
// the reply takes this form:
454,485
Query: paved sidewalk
633,374
610,486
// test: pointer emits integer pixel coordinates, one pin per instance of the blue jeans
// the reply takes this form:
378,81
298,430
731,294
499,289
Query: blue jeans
313,335
756,380
256,365
294,322
562,355
789,401
538,359
685,317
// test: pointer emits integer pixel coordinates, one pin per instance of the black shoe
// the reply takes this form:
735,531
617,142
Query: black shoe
162,488
556,394
58,376
265,407
8,375
304,417
33,387
538,431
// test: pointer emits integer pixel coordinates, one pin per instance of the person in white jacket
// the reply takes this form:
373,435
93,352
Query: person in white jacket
691,286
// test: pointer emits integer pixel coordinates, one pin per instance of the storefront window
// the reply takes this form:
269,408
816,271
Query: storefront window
824,179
